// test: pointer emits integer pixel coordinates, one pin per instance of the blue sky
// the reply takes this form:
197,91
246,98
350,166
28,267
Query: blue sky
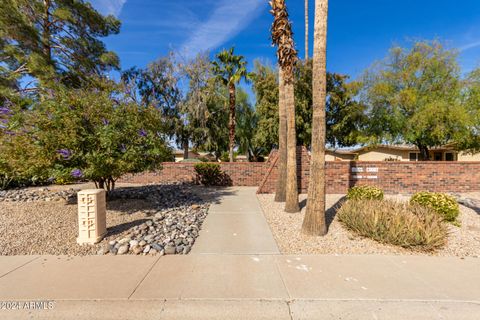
360,32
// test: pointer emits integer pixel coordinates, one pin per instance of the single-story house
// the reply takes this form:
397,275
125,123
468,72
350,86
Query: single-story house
399,153
179,155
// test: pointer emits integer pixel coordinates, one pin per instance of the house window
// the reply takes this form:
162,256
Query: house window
413,156
449,156
437,156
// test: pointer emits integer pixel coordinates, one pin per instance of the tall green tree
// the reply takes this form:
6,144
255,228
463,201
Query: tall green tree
50,40
230,69
195,108
345,114
265,88
414,96
246,128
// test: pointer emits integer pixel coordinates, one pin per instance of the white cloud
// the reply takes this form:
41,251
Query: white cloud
469,46
228,18
106,7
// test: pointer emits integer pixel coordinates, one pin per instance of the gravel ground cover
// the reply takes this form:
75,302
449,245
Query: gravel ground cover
462,241
156,219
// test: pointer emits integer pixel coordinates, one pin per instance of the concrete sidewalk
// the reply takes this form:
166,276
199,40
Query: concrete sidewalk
243,287
236,272
236,225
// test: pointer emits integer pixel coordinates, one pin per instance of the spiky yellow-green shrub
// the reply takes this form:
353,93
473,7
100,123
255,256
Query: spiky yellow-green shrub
365,193
442,203
407,225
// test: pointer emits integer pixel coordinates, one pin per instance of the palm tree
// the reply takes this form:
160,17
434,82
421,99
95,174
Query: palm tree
230,69
282,37
314,222
281,188
306,30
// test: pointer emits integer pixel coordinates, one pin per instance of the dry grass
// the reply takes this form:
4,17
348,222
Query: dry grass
462,241
387,221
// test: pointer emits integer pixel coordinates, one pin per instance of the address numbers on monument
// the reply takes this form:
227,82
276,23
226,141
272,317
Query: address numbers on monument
366,170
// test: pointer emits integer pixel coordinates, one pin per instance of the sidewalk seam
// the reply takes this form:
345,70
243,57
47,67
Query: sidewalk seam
3,275
281,277
144,277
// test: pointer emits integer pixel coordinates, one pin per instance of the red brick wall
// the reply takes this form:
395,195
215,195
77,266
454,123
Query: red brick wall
241,173
392,177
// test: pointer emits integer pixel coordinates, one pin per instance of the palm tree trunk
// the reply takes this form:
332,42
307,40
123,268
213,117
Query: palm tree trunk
291,204
232,121
280,192
314,222
47,50
306,30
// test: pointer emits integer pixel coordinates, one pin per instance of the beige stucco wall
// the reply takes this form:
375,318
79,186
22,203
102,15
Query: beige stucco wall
381,154
468,157
334,156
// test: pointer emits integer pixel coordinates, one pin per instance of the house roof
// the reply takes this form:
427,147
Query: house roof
180,152
402,147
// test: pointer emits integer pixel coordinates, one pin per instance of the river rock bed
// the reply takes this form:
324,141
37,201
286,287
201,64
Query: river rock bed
170,231
141,220
40,194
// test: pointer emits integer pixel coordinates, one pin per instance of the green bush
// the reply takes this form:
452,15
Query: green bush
209,174
386,221
96,134
441,203
365,193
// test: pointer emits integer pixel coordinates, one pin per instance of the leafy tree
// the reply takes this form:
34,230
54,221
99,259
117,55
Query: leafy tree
194,111
95,133
230,69
215,135
157,85
414,97
49,40
344,113
187,96
303,102
470,141
247,126
265,87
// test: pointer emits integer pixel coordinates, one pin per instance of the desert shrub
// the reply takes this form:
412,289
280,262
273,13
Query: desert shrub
442,203
365,193
225,156
210,174
401,224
